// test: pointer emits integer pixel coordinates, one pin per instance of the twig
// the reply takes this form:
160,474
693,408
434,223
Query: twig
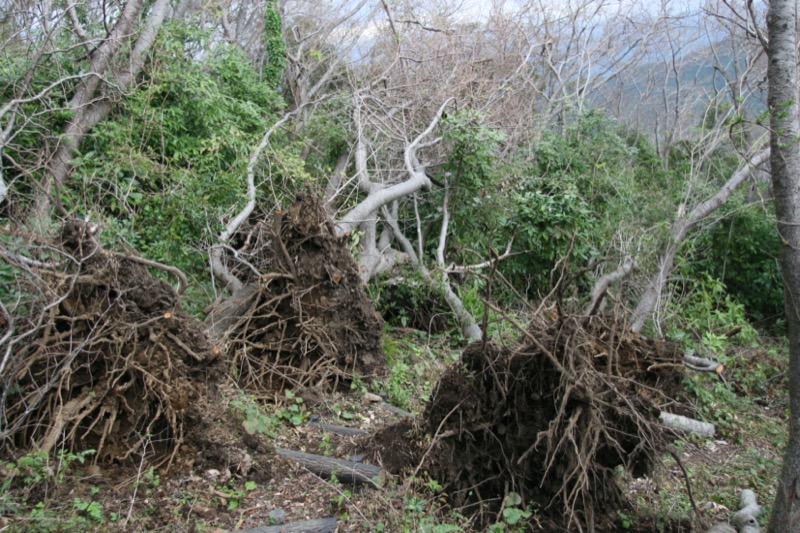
674,455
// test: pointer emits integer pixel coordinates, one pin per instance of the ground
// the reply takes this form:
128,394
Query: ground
126,416
217,498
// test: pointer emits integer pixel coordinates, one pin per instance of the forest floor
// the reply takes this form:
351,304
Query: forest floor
126,414
80,497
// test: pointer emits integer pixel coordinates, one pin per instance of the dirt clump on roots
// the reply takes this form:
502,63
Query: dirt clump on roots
306,321
113,365
550,419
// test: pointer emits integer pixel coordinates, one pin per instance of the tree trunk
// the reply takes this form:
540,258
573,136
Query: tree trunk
785,162
680,229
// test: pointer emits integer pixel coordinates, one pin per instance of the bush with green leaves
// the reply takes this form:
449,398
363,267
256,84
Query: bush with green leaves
168,165
742,250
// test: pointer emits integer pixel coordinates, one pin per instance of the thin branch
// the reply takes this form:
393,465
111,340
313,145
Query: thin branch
445,224
453,269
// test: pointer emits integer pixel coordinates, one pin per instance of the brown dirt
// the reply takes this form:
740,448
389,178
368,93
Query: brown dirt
549,419
306,322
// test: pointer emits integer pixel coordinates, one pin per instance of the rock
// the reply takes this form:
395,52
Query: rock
277,517
372,398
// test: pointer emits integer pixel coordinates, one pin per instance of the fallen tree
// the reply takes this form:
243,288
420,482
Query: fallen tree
550,419
99,356
302,317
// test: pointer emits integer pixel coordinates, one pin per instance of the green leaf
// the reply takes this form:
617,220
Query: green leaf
251,425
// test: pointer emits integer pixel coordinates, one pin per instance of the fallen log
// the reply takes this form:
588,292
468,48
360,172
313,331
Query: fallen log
347,472
701,364
745,518
686,425
322,525
396,410
339,430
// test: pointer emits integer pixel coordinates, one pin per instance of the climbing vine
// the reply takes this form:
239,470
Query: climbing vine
274,45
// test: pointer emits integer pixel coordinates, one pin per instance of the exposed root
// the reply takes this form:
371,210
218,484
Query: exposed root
550,419
104,360
306,322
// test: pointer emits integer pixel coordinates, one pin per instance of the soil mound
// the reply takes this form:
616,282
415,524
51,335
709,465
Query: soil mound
307,321
550,419
111,363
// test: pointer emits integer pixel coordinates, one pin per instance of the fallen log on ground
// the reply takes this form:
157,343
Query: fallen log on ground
347,472
396,410
339,430
322,525
685,425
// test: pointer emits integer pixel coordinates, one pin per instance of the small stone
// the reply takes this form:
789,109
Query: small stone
384,396
372,398
203,511
277,517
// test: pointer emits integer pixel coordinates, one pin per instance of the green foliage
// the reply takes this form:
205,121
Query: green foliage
255,419
274,45
742,251
37,467
513,517
170,162
414,364
294,412
706,314
588,184
548,215
477,205
38,474
407,300
91,509
423,515
403,377
234,495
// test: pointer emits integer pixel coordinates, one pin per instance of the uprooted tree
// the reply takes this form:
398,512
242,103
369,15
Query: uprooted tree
549,418
105,359
303,318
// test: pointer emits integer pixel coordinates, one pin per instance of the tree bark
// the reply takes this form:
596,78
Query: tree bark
688,426
785,163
